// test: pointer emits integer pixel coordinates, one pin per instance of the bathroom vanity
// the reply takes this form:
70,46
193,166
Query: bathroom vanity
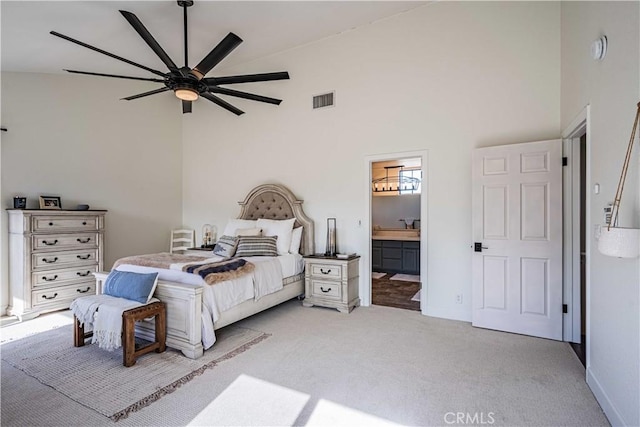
396,250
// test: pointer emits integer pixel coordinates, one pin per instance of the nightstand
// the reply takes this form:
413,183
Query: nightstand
332,282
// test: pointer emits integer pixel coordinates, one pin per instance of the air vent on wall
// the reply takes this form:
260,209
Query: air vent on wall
324,100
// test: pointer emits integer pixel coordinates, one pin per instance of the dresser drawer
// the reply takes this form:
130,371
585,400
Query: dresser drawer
50,278
63,294
65,241
63,224
62,259
326,271
326,289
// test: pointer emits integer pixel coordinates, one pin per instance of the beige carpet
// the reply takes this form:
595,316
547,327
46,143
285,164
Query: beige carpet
96,378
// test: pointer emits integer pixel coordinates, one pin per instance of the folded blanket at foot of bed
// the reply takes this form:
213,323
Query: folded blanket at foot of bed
214,272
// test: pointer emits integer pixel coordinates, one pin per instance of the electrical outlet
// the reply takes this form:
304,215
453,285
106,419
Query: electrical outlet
458,298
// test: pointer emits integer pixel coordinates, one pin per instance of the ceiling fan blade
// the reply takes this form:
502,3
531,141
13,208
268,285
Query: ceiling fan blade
115,75
148,38
224,104
104,52
247,78
151,92
244,95
186,106
224,48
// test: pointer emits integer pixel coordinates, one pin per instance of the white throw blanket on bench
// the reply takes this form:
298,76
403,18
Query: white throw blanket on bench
107,323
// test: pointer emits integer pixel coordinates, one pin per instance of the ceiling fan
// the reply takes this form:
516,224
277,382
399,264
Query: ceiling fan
187,83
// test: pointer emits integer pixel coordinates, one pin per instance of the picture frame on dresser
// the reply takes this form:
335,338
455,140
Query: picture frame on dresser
50,202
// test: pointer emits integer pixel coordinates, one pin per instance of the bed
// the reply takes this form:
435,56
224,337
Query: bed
192,311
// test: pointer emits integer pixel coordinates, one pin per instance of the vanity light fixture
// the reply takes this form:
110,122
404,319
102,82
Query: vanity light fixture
399,182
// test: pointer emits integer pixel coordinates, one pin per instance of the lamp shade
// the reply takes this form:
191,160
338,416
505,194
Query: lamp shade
619,242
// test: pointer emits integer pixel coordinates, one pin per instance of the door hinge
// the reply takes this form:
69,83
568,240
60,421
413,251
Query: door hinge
565,308
565,161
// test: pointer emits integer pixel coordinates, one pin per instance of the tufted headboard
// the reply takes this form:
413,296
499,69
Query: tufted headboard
273,201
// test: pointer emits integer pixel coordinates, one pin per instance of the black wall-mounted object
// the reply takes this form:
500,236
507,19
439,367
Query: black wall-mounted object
3,129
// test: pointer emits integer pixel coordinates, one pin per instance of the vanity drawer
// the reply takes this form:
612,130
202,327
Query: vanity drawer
326,289
62,295
61,259
65,241
50,278
326,271
62,224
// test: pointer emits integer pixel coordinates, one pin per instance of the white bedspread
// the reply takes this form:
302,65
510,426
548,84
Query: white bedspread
216,299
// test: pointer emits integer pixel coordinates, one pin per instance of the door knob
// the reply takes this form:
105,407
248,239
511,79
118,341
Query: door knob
477,247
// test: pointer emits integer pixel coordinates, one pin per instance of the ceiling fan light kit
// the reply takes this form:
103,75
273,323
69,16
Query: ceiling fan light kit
188,84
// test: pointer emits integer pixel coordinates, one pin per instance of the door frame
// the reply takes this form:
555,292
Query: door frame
578,127
365,276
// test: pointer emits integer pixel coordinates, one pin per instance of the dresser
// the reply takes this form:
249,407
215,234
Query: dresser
332,282
52,255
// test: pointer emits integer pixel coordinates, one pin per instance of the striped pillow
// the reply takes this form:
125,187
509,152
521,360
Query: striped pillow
257,246
226,246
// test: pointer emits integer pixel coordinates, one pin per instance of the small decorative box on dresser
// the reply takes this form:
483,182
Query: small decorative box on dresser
332,282
52,255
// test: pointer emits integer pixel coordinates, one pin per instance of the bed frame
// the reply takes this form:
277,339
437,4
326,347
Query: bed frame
184,302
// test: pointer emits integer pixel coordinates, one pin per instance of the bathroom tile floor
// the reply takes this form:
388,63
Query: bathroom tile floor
394,293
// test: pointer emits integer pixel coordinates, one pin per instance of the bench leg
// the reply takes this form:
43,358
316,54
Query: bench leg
161,331
78,333
129,341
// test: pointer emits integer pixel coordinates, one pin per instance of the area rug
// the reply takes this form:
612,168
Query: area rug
97,379
416,297
375,275
406,277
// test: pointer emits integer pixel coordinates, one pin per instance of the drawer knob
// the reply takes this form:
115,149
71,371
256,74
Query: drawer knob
80,291
84,241
323,290
49,279
325,272
55,242
50,224
83,274
84,222
50,261
83,257
46,297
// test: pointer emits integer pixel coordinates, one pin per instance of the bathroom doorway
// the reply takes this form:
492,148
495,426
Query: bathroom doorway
396,219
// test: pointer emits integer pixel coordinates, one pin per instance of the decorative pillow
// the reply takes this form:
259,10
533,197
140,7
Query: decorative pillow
257,246
296,238
249,232
281,228
134,286
226,246
235,224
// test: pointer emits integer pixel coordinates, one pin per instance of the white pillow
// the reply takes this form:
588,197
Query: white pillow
234,224
281,228
296,238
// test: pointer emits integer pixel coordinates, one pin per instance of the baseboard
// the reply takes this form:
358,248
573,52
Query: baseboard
614,417
447,313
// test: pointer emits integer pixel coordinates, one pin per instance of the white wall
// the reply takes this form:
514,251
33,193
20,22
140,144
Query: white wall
447,78
72,137
612,88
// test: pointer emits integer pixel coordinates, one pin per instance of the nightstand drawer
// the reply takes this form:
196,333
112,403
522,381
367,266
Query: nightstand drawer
60,224
61,294
326,289
53,277
326,271
65,241
62,259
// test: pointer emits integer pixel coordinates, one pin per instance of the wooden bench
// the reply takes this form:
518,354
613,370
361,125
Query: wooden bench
129,318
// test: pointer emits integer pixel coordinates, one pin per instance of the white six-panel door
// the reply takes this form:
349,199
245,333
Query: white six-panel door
517,219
